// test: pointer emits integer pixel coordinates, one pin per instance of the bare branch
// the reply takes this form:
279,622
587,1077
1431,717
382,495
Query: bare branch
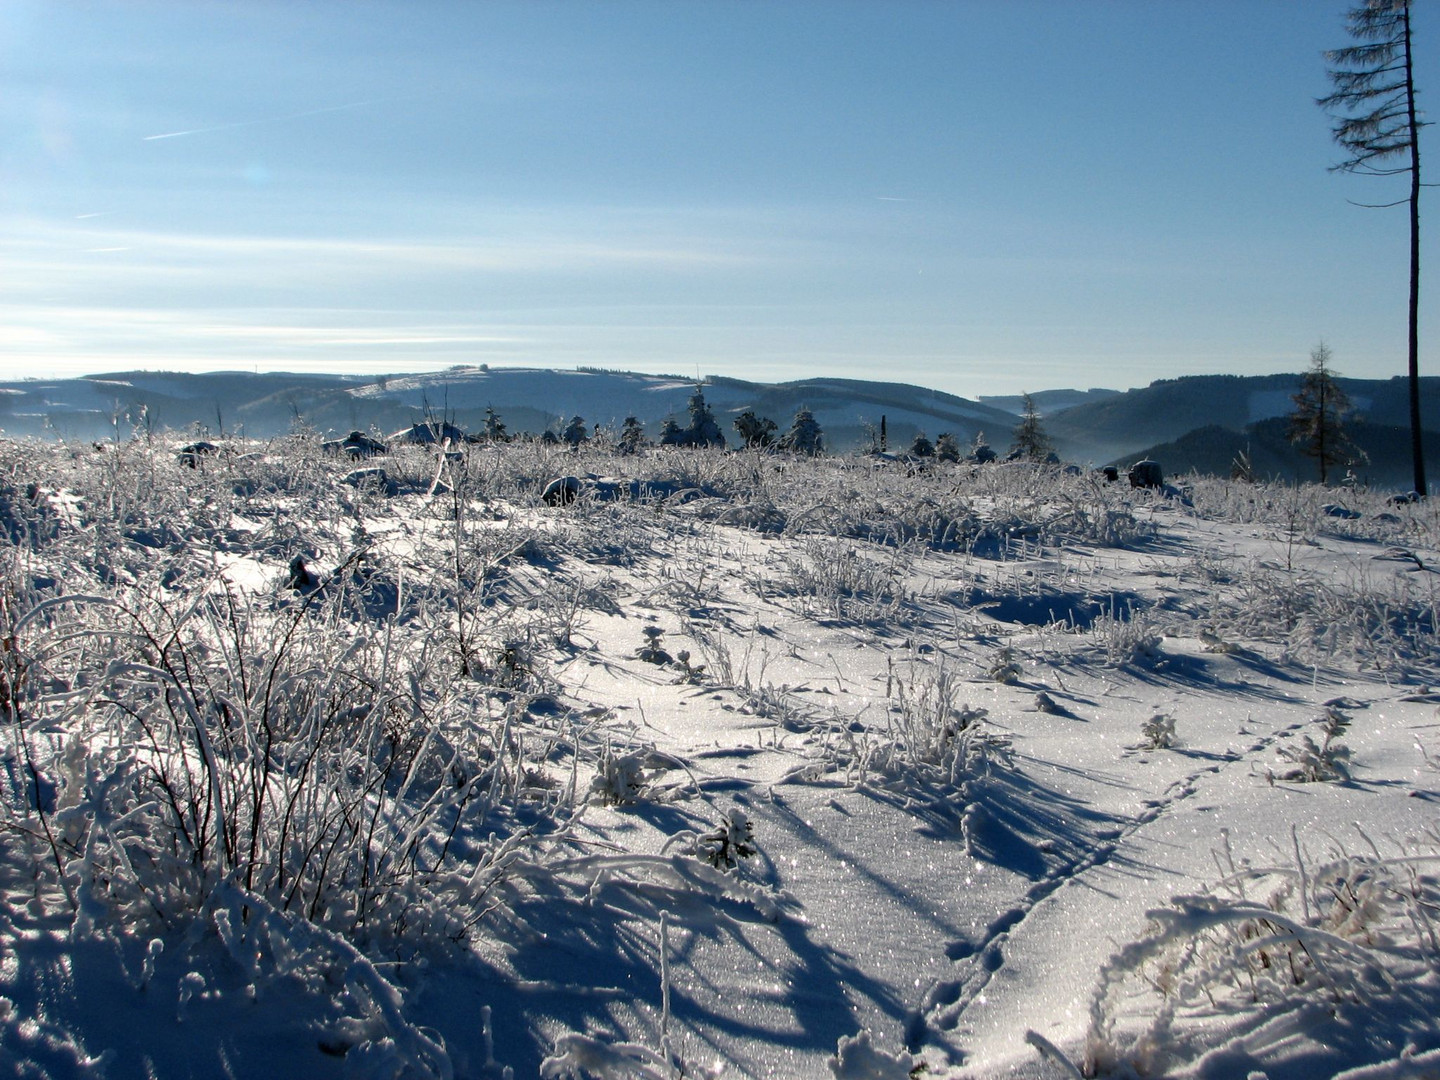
1378,206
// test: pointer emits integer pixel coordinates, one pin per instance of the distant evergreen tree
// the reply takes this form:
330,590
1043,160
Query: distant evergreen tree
804,436
704,431
980,451
1031,442
632,436
494,426
756,432
1316,425
922,447
946,448
575,432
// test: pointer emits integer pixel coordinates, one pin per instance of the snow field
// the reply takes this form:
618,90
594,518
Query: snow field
728,763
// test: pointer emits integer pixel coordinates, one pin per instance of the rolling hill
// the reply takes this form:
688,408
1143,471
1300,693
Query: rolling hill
1194,422
1214,450
527,399
1129,424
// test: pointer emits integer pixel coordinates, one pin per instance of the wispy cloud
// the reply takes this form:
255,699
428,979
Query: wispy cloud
548,248
47,338
261,120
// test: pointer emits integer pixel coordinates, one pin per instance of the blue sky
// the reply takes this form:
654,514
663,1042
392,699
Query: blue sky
977,197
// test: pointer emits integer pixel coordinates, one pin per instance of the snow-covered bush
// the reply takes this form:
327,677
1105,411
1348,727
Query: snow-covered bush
725,845
620,779
1390,624
217,743
931,740
653,650
1269,951
1126,640
1319,761
858,1058
1104,526
1158,732
842,581
1004,667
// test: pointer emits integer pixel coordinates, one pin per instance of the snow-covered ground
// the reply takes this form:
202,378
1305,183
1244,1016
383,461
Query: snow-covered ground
737,765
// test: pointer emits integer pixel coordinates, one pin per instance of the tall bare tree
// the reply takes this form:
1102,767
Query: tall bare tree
1375,121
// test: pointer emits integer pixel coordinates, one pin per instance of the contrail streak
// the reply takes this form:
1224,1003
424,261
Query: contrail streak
251,123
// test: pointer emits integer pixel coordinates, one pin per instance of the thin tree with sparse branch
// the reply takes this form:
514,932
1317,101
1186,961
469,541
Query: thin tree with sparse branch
1376,122
1031,442
1317,424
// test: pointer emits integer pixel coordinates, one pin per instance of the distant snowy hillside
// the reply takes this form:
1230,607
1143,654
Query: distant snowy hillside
1092,426
846,409
1049,402
1125,424
526,399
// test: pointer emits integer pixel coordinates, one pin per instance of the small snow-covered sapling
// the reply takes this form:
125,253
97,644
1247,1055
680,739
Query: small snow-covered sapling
620,779
512,662
1326,760
1159,732
725,845
693,672
1004,669
653,651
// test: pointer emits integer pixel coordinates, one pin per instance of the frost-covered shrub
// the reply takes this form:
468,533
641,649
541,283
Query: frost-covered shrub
931,739
691,673
1270,950
725,845
1388,623
1314,761
858,1058
1126,641
215,742
1114,527
620,779
1158,732
1004,667
1302,509
653,651
746,679
843,581
27,518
